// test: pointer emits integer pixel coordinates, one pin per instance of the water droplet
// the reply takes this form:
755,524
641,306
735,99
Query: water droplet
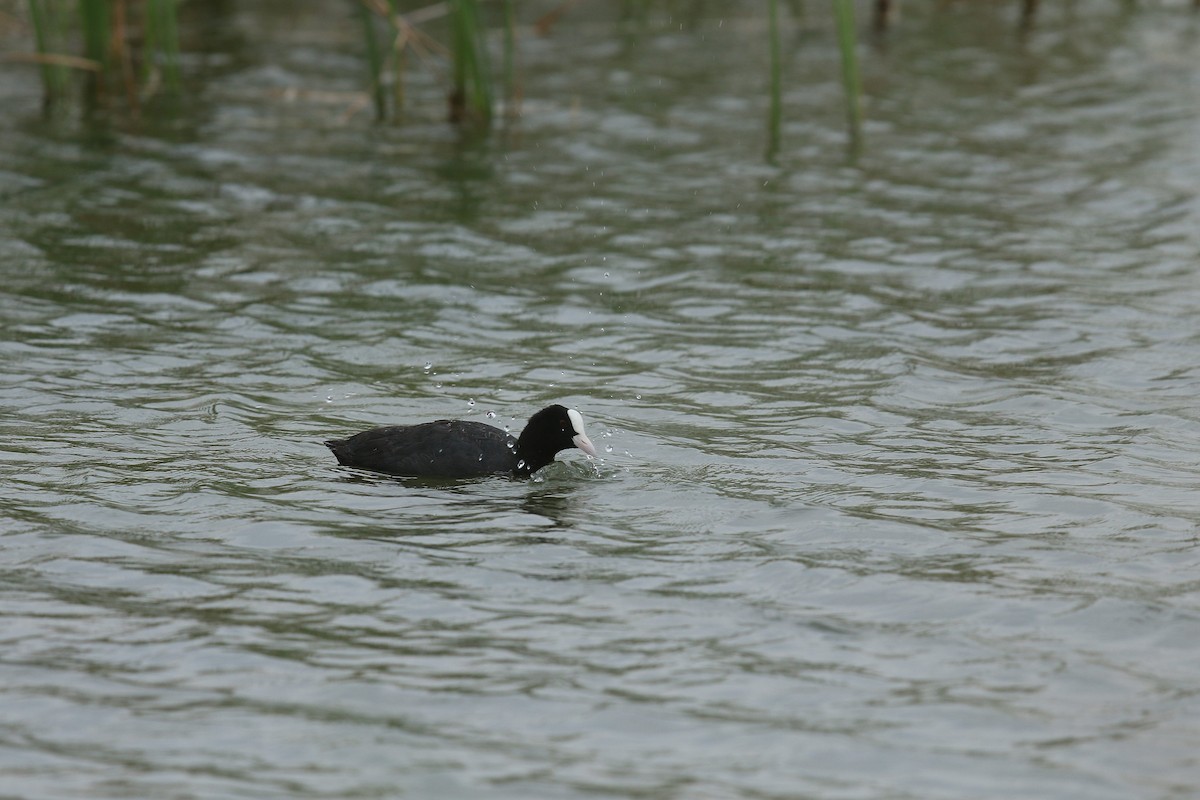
521,464
328,398
428,366
608,448
471,402
491,415
637,397
606,274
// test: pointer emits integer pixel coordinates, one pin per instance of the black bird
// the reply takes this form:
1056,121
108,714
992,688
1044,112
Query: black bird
464,449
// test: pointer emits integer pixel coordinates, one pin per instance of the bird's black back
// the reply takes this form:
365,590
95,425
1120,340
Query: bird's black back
445,448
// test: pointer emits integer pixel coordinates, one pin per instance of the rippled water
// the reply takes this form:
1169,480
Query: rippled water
898,496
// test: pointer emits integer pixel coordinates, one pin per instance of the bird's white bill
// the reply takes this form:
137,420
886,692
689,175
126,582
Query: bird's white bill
580,438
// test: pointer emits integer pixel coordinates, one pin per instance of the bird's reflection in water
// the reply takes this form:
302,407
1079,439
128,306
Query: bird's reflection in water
555,503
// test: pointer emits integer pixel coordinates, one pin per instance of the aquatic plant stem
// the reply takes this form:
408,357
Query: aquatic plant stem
162,43
884,10
1028,12
511,103
374,62
47,29
847,42
775,112
94,21
399,58
471,96
120,27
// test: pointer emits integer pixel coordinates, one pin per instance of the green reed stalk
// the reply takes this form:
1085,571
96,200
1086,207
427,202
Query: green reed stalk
162,41
472,93
510,59
399,59
48,32
94,22
94,19
847,41
374,62
775,113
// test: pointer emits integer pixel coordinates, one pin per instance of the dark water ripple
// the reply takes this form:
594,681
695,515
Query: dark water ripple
897,496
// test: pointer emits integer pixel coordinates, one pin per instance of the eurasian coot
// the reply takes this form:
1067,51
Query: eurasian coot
462,448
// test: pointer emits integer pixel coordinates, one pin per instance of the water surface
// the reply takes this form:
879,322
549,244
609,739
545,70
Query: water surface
897,496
